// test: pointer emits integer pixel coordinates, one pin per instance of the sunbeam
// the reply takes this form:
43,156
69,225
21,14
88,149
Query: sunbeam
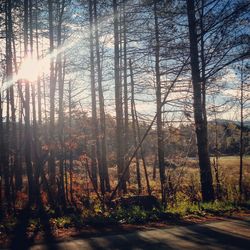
31,68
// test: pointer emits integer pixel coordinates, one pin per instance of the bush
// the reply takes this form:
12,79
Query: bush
61,222
133,215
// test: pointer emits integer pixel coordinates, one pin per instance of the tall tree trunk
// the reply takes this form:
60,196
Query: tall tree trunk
4,168
35,145
16,167
28,137
155,165
7,181
216,161
142,152
70,150
136,129
203,66
241,132
20,137
118,104
9,166
1,156
39,94
160,139
1,167
200,126
95,150
51,162
61,96
125,86
19,170
5,129
101,105
135,135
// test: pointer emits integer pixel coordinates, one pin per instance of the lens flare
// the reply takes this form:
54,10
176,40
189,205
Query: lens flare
29,70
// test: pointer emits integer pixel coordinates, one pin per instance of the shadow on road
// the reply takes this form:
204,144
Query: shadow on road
191,237
199,236
210,237
20,239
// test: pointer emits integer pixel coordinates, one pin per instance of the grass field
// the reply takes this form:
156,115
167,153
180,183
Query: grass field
184,181
233,162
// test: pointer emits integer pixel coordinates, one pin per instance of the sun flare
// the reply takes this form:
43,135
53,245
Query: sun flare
29,69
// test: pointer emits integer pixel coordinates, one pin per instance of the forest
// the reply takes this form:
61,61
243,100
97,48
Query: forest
122,111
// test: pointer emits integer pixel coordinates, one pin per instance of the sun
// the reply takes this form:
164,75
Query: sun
29,69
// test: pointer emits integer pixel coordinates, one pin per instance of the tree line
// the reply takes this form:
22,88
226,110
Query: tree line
117,78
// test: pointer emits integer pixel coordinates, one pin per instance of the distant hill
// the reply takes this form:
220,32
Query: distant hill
225,122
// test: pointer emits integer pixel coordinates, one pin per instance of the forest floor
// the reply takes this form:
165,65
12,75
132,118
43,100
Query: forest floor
25,234
28,226
221,234
211,232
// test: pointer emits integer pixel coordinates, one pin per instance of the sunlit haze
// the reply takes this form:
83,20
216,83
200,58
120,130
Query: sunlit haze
29,69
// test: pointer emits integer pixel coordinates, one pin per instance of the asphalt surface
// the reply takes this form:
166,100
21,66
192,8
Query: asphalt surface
224,234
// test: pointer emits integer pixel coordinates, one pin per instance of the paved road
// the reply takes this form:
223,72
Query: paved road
226,234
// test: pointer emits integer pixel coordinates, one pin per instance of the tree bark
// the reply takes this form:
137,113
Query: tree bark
135,135
61,7
70,150
125,87
200,120
39,98
51,162
160,137
95,149
101,106
118,104
136,129
241,132
27,132
16,167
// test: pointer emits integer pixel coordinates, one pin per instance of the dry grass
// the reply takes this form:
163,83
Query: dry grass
184,181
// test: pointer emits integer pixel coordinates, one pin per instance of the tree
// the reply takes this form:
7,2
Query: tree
118,102
199,117
95,149
244,77
51,162
61,8
103,162
135,135
160,136
125,84
28,137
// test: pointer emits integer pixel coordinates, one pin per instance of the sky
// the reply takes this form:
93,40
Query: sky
75,47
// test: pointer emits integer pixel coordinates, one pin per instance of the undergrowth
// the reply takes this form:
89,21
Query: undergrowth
133,215
202,209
